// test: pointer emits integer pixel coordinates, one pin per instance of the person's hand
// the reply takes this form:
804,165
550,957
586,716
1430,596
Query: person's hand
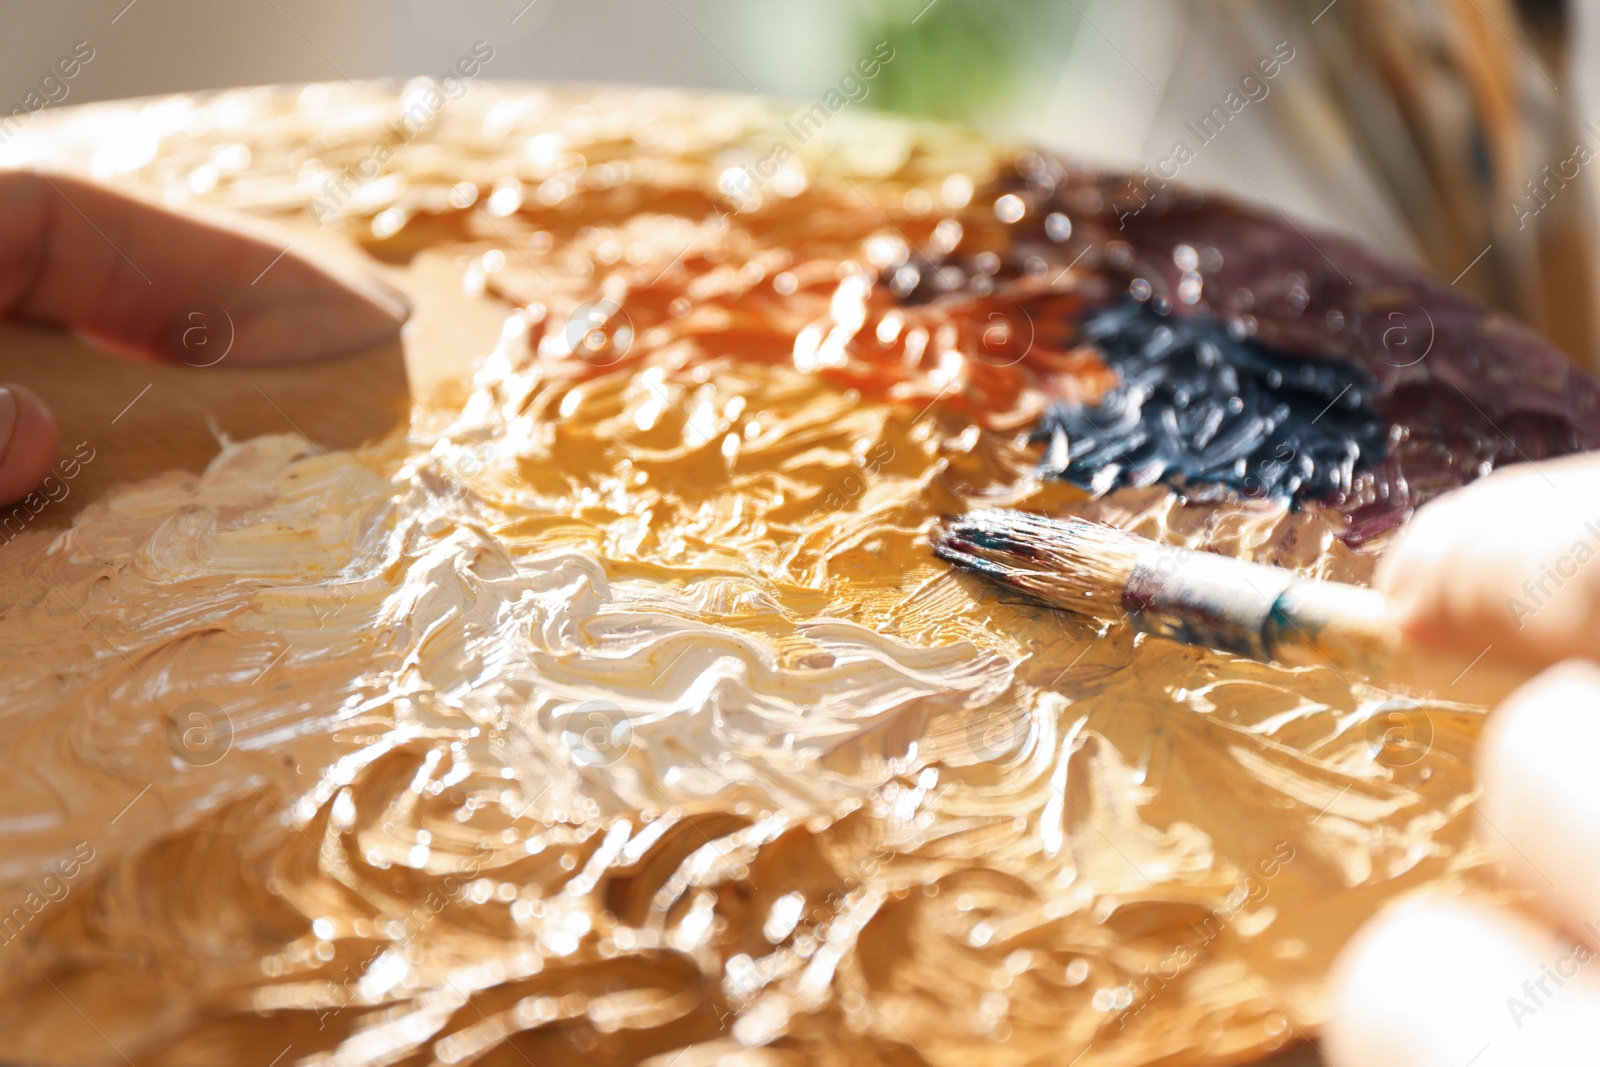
132,276
1511,563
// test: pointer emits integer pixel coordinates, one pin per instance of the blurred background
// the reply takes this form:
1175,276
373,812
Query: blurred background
1454,133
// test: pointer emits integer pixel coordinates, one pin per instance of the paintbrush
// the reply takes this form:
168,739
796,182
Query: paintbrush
1199,598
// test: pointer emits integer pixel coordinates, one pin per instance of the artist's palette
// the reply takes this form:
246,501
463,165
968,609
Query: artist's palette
612,709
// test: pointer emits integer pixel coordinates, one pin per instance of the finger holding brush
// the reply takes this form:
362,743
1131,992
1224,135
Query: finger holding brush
1512,561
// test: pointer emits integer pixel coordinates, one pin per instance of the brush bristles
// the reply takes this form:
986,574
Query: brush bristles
1068,563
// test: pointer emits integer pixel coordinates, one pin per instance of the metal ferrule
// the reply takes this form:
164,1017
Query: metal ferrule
1205,599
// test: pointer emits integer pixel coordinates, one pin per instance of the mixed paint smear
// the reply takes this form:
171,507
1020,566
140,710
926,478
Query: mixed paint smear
1440,392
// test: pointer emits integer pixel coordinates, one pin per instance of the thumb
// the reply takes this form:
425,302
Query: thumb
28,442
1511,562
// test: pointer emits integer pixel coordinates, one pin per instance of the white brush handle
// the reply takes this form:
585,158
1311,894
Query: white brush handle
1355,629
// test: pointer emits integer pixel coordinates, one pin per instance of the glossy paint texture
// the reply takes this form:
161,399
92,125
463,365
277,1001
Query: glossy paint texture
616,710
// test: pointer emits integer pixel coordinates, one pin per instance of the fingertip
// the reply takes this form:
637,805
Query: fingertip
1419,574
394,306
1541,798
314,304
1446,982
1503,562
309,313
30,442
375,316
1405,572
1370,984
